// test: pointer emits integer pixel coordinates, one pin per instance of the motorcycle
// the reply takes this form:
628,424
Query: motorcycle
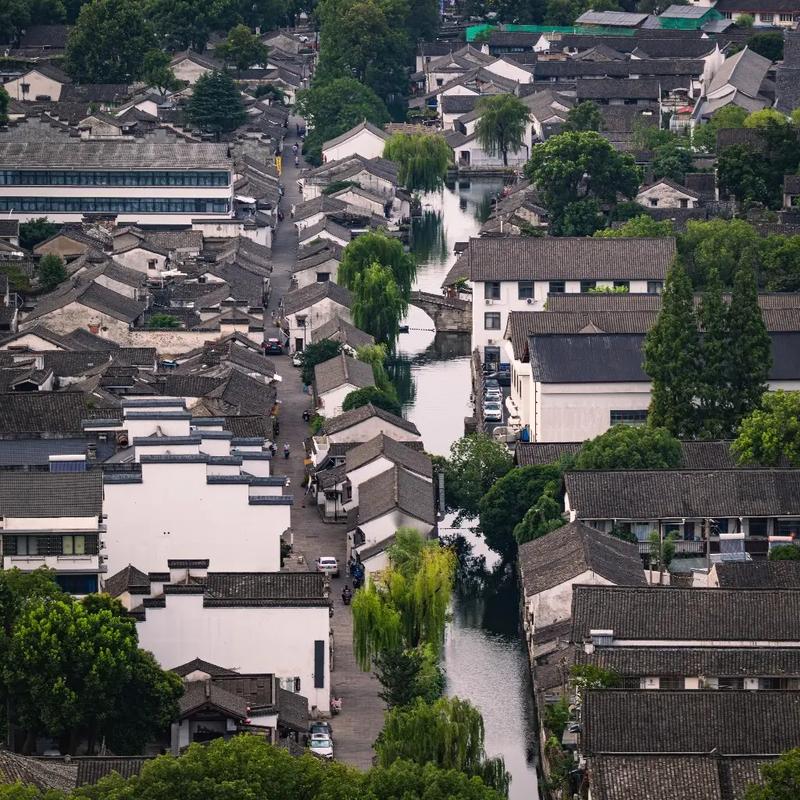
347,596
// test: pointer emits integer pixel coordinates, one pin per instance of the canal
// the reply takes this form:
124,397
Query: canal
484,655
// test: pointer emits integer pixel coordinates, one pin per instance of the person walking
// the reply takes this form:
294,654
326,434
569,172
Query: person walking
286,450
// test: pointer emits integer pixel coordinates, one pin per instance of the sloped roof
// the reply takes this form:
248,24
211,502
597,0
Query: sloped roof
341,330
399,453
199,694
279,589
127,579
48,412
362,126
744,71
576,548
92,768
306,296
396,488
363,413
51,494
759,575
341,370
199,665
43,773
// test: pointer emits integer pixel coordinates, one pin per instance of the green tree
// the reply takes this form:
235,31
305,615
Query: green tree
502,124
630,447
188,24
377,247
780,263
768,44
216,104
581,218
242,48
671,353
156,72
784,552
35,231
422,160
378,303
544,516
109,42
376,355
475,462
649,137
585,116
406,675
448,733
163,321
781,779
771,433
744,21
672,161
504,505
51,272
4,101
641,226
765,118
741,175
315,353
576,167
662,550
334,107
374,395
705,136
749,347
718,244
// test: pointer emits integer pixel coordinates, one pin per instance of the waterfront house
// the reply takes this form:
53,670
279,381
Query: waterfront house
335,378
377,175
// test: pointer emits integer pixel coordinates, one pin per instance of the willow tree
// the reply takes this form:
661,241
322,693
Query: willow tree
370,248
422,160
502,124
378,304
448,733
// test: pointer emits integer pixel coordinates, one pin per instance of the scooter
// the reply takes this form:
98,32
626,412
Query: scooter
347,596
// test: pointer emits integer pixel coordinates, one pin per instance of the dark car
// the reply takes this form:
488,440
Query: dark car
272,347
503,377
321,728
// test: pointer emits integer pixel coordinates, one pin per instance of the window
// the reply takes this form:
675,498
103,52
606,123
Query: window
730,683
622,285
718,526
629,417
653,201
491,290
587,285
114,205
151,263
757,526
27,546
525,290
671,682
44,177
788,527
764,18
770,684
557,287
787,17
73,545
491,321
655,287
323,277
77,584
439,81
684,202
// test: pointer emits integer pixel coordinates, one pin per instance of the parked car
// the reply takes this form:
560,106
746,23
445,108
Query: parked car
321,727
502,377
297,359
321,745
492,395
493,412
329,565
490,383
272,347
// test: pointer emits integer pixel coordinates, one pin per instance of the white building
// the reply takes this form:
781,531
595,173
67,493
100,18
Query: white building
360,425
43,82
154,183
335,378
308,308
54,520
665,193
364,140
518,273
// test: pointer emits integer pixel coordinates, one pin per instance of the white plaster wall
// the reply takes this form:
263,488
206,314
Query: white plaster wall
507,69
273,640
174,513
29,341
330,403
137,259
315,315
75,315
555,604
368,429
364,473
358,200
306,277
665,197
189,71
39,86
50,523
364,143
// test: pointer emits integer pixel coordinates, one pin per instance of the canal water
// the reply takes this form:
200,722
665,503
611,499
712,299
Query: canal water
484,655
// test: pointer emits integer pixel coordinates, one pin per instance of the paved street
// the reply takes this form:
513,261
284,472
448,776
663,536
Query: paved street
355,729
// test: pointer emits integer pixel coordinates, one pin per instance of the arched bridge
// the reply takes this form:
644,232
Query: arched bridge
449,314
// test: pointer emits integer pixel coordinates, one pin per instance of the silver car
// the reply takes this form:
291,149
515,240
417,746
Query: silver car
328,565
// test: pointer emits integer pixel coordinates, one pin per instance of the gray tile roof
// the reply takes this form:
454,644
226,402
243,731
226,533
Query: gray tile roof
745,71
759,575
587,302
569,258
198,664
724,662
341,330
278,589
396,488
644,721
363,413
615,88
687,615
391,449
51,494
341,370
302,298
92,768
48,412
199,695
666,494
43,773
292,710
576,548
98,154
19,452
128,579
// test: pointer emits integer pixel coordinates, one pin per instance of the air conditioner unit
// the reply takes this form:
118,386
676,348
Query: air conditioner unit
489,301
529,301
490,341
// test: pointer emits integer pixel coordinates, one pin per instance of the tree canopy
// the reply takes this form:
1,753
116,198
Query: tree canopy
771,433
35,231
502,124
156,72
315,353
585,116
630,447
216,104
641,226
378,303
422,160
672,160
781,779
242,48
335,106
51,272
377,247
4,101
374,395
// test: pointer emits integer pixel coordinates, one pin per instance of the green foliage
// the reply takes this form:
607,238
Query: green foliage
406,675
771,433
641,226
156,72
765,118
35,231
242,48
374,395
109,42
334,107
543,517
216,104
377,247
51,272
630,447
316,353
671,354
375,354
585,116
572,169
781,779
475,463
188,24
672,161
4,101
784,552
422,160
588,676
378,303
448,733
505,504
649,137
719,244
337,186
744,21
661,550
163,321
556,717
730,116
622,289
502,123
276,95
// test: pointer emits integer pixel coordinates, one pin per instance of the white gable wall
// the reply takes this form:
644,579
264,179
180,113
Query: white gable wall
363,143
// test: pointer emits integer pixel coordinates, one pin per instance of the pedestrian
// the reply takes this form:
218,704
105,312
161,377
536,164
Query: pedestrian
297,128
286,450
297,161
294,148
273,448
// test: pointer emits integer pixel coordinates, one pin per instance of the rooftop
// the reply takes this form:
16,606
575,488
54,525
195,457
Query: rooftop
396,488
51,494
342,370
397,452
361,414
759,574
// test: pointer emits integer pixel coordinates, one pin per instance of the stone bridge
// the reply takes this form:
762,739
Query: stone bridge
449,314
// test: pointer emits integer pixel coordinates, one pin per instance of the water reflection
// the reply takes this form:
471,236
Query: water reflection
428,241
